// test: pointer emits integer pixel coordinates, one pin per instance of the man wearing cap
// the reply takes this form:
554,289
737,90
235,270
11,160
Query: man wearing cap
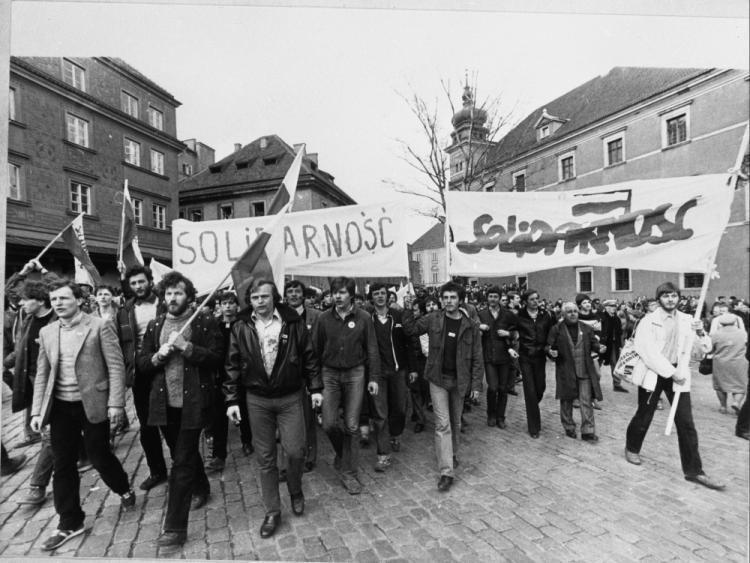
611,337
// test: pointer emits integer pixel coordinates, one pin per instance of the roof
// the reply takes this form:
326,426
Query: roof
433,238
140,76
254,164
590,102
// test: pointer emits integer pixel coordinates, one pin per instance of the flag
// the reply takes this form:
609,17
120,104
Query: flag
76,243
82,275
285,193
130,253
403,291
264,258
158,270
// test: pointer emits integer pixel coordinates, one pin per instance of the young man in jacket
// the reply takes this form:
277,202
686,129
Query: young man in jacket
271,355
181,368
611,337
454,364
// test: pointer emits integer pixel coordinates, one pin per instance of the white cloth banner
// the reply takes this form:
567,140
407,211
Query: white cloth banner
668,225
352,240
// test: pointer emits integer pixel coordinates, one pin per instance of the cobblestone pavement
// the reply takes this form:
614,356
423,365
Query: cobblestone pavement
515,499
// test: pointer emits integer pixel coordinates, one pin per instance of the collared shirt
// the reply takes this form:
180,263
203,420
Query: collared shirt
669,322
268,336
66,383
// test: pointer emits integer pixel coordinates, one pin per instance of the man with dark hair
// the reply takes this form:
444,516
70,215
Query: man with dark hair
454,364
348,351
180,359
131,322
79,385
271,353
611,337
664,340
533,328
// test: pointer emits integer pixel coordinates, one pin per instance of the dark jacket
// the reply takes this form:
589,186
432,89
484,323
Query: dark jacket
494,347
611,336
127,333
565,370
403,351
532,334
296,364
469,360
201,360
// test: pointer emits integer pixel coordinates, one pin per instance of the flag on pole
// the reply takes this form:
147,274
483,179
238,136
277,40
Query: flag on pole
264,258
82,275
158,270
130,252
76,243
285,193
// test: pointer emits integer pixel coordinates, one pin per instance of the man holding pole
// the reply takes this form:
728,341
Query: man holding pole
664,340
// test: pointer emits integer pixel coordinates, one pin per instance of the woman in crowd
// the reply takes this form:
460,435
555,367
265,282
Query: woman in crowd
730,363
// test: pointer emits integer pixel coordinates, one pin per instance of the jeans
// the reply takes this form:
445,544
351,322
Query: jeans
687,437
498,383
534,385
44,463
149,435
67,421
285,414
343,388
389,404
188,476
587,410
447,405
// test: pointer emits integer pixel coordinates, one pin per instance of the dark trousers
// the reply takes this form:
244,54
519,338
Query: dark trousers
67,422
187,477
498,384
343,388
267,414
311,453
587,410
389,405
534,385
687,437
742,417
149,435
420,397
219,424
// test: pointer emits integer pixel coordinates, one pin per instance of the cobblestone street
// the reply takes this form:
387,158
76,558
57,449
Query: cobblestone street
515,499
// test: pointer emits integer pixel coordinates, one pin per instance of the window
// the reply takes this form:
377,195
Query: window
138,211
12,104
435,277
80,197
621,279
434,256
519,181
74,75
226,211
459,166
132,152
417,257
155,118
129,104
157,162
187,169
691,281
195,214
545,132
584,280
159,216
521,281
14,177
675,127
615,151
270,161
566,167
259,208
78,130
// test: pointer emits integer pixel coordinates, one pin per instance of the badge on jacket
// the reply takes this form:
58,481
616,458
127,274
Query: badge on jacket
351,324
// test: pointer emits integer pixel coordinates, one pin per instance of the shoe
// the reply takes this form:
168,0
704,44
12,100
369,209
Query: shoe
36,496
456,463
633,457
467,406
13,465
572,434
500,423
445,483
59,537
269,525
742,434
84,466
418,427
152,481
29,441
395,445
534,434
576,404
513,392
595,405
659,405
364,442
352,485
298,504
309,466
247,449
704,480
384,462
169,539
216,464
491,421
590,438
282,475
199,501
128,499
621,389
337,463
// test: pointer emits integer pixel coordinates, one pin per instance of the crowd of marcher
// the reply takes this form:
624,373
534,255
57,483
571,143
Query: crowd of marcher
292,359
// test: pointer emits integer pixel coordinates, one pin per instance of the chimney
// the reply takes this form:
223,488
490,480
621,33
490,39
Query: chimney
297,147
237,147
263,142
313,157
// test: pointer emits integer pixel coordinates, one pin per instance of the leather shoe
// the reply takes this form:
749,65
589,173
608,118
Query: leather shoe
590,438
199,501
620,389
298,504
247,449
513,392
152,481
269,525
445,483
418,427
500,423
534,434
169,539
704,480
742,434
633,457
571,434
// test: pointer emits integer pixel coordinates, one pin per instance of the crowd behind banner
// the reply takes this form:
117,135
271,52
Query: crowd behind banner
364,366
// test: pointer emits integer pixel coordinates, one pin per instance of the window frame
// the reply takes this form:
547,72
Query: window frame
581,270
613,285
71,118
514,176
128,100
127,153
668,116
221,207
258,202
187,169
191,211
137,210
152,111
19,183
684,286
74,67
560,166
152,162
86,208
620,135
12,109
159,220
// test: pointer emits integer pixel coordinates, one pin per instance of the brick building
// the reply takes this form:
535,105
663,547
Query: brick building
78,128
196,157
427,253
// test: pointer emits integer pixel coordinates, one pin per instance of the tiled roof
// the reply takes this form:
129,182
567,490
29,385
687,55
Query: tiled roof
142,77
590,102
433,238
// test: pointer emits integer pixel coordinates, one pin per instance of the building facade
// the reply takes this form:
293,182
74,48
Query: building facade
634,123
196,157
427,253
80,127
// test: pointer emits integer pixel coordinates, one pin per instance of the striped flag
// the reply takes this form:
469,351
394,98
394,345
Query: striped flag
130,253
285,193
76,243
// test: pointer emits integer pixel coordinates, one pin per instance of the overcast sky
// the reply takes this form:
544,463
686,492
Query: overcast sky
331,78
